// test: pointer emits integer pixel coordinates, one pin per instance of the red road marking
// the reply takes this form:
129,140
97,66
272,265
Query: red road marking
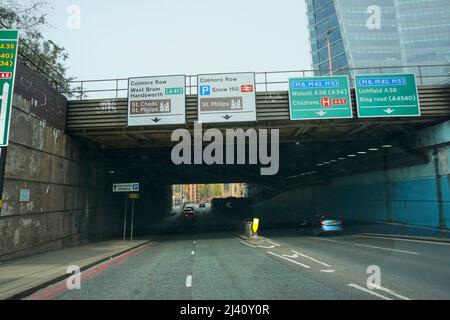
58,288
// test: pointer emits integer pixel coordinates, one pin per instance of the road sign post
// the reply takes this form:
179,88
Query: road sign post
9,42
126,188
133,197
132,219
387,95
125,218
320,98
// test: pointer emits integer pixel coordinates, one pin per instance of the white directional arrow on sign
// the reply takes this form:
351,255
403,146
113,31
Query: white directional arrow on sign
389,110
321,113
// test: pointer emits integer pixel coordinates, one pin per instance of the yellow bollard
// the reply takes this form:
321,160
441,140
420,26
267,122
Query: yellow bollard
255,226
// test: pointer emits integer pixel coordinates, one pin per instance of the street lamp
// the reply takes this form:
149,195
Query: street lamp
330,65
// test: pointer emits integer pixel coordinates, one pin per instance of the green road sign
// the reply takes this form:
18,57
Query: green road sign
320,98
393,95
8,58
170,91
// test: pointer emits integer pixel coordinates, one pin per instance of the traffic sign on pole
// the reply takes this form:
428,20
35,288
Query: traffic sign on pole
126,187
387,95
320,98
9,40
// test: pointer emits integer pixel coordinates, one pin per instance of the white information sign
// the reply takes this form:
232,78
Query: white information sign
126,187
226,97
157,100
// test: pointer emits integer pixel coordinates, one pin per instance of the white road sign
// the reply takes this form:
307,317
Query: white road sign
126,187
156,100
226,97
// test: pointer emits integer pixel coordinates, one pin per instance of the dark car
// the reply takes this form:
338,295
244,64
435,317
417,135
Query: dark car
324,224
189,212
202,205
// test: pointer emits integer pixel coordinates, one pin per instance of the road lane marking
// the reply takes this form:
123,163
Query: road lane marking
382,248
189,281
276,244
327,271
390,292
368,291
265,247
194,241
329,240
402,239
192,252
290,260
312,259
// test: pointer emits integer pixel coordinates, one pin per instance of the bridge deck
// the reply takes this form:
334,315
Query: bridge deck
105,120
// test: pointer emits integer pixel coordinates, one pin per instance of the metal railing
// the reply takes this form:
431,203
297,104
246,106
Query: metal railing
39,64
437,74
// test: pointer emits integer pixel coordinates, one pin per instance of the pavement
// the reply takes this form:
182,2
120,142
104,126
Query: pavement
203,263
21,275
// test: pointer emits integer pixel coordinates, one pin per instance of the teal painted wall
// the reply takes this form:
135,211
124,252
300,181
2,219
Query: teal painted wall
416,195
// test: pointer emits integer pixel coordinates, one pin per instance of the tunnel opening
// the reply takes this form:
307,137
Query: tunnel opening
360,180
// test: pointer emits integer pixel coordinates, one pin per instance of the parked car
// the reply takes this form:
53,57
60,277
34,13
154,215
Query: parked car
202,205
324,224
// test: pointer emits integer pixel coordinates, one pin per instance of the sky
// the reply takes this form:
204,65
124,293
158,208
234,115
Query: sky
121,39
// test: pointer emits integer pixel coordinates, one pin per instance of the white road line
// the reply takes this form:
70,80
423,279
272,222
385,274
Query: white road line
189,281
312,259
368,291
381,248
276,244
327,271
329,240
192,252
265,247
247,244
290,260
194,241
402,239
390,292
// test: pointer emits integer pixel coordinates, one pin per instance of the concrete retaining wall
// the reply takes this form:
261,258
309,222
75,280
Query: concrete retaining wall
68,204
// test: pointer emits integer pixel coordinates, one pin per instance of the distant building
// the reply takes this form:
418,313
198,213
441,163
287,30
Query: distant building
195,193
375,33
235,190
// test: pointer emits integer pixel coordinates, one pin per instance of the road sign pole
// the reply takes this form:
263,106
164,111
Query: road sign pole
132,219
2,172
125,218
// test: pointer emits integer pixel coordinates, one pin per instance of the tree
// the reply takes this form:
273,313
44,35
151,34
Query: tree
40,54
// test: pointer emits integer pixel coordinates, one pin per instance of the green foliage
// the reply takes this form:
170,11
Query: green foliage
40,54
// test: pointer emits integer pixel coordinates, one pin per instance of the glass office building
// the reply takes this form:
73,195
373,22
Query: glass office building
378,33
